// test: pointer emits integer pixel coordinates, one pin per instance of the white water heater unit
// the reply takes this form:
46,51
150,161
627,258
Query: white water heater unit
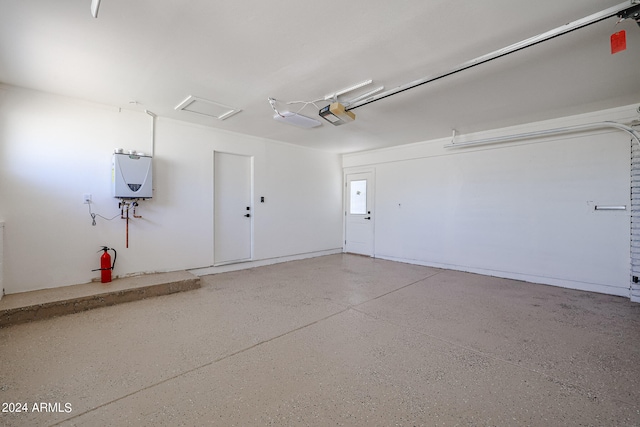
131,175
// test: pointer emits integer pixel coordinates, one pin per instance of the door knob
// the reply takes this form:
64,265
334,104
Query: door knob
247,215
368,217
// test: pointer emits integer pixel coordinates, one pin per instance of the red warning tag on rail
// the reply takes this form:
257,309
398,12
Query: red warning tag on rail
618,41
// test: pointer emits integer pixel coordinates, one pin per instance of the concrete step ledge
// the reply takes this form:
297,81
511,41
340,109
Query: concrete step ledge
46,303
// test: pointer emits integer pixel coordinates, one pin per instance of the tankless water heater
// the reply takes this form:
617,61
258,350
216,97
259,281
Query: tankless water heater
131,176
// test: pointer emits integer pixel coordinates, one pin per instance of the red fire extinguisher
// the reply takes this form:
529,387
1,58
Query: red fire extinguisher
105,264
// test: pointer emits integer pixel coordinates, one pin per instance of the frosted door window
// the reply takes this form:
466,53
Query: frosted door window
358,197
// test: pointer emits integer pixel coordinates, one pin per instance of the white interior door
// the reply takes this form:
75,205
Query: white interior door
232,208
359,215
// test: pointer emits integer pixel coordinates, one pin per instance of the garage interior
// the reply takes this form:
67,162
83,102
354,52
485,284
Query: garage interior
380,213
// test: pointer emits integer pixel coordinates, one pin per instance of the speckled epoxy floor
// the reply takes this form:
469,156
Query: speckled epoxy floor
335,340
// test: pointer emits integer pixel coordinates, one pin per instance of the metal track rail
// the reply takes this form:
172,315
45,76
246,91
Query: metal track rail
571,26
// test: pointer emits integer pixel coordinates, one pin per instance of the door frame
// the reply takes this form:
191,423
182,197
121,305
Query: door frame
345,203
251,204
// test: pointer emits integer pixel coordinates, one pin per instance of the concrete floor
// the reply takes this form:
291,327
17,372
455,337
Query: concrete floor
335,340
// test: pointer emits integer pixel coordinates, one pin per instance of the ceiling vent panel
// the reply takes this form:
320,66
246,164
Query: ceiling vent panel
205,107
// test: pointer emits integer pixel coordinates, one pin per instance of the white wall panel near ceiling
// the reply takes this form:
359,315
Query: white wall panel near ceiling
523,210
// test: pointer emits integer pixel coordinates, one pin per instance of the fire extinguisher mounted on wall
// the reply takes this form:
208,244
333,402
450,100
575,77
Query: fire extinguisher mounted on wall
105,264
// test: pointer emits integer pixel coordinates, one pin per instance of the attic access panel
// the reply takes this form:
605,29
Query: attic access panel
205,107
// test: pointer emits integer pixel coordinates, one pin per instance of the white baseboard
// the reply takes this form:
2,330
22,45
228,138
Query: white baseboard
260,263
562,283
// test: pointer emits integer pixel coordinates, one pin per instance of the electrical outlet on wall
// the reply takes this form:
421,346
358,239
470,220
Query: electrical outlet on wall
86,198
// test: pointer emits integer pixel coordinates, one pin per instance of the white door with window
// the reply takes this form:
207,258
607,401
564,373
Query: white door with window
232,208
359,215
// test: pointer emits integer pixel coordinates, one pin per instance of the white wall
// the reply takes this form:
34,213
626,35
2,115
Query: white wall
521,210
54,149
1,258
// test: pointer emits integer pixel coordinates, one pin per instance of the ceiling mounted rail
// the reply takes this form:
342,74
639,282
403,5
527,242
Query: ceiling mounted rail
547,132
572,26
